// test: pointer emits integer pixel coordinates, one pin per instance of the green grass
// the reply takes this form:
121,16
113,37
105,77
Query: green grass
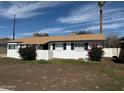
109,71
52,61
66,61
9,60
55,61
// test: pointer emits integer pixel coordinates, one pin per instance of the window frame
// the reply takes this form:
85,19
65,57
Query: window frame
59,46
12,46
79,46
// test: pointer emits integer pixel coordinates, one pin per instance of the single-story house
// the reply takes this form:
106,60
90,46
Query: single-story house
48,47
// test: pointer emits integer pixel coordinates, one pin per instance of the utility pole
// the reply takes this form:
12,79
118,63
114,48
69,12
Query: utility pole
14,22
101,4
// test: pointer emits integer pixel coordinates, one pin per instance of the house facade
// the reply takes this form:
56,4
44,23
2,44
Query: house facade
49,47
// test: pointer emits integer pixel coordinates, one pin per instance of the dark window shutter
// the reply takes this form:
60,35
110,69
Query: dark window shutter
64,46
53,46
86,46
72,46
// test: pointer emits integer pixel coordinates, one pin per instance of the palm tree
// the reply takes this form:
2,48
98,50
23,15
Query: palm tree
14,20
101,4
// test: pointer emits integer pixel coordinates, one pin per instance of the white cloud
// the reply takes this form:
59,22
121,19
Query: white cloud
82,14
25,34
89,15
51,30
26,9
54,30
105,26
115,18
112,15
59,30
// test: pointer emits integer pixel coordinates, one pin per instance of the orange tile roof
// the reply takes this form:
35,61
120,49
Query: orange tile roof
46,39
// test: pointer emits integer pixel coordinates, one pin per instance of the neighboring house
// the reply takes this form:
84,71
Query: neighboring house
3,46
67,47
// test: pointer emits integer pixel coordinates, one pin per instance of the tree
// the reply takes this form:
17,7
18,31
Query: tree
122,38
111,41
95,53
40,34
14,23
28,52
101,4
82,32
4,40
45,34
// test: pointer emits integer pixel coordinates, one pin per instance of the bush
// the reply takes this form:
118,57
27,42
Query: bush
28,53
95,53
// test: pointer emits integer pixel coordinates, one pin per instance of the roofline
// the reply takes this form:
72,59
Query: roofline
58,41
62,36
75,40
14,42
17,40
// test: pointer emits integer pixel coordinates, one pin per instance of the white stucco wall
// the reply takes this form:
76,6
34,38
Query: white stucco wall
60,47
42,54
13,54
72,54
109,52
60,53
68,53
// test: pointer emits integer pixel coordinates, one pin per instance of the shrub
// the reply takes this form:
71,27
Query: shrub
28,53
95,53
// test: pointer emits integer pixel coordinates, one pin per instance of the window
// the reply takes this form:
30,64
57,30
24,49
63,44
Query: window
86,46
13,46
64,46
39,47
45,46
59,46
79,46
72,46
53,46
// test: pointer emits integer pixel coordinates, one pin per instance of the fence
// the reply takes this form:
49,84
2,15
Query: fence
48,54
109,52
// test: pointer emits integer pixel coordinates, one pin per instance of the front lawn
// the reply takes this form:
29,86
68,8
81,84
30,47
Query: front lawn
52,61
61,74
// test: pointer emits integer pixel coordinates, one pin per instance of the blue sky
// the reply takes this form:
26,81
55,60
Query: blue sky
60,18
